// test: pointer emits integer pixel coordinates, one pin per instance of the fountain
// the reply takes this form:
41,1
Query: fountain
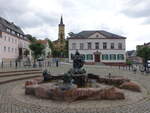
76,84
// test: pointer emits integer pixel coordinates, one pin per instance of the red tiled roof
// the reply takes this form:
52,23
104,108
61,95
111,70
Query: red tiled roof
42,41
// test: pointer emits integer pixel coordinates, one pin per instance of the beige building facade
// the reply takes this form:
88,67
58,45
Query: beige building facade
98,47
13,42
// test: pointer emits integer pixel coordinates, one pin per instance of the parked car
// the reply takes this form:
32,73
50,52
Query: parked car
40,59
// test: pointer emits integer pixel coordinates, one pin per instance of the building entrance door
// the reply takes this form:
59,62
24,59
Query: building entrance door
97,57
20,53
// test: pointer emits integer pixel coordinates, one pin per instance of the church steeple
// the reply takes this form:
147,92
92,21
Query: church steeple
61,32
61,21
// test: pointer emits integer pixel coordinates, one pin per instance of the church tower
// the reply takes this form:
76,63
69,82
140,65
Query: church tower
61,32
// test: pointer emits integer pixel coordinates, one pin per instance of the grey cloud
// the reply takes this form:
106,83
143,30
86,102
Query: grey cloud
20,13
66,3
12,7
137,13
137,8
35,19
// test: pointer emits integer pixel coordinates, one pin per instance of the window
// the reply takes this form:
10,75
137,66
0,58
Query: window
5,37
97,36
81,46
112,46
71,55
119,45
9,39
12,50
73,45
120,57
12,40
1,34
89,57
4,48
96,45
112,57
8,30
8,49
83,56
16,41
13,32
104,45
15,50
105,57
89,45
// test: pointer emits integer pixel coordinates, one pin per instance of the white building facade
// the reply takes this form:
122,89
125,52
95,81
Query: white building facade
13,42
98,47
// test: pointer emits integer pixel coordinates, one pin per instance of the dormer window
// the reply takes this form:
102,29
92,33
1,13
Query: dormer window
8,30
97,36
20,35
13,32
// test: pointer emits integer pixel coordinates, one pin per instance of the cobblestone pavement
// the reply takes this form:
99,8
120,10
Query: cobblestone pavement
8,104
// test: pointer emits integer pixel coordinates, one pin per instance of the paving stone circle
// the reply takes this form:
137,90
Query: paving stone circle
9,104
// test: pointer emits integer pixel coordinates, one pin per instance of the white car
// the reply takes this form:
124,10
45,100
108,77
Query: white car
148,63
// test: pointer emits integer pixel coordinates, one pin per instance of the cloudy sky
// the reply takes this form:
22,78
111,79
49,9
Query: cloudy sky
40,18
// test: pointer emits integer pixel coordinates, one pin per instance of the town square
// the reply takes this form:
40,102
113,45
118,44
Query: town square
74,56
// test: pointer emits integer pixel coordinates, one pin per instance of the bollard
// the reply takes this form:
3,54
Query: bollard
2,64
10,64
16,64
56,63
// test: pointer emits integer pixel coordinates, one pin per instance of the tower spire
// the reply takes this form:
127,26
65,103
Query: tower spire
61,20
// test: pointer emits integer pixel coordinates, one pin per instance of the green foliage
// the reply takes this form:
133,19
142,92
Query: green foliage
50,44
144,52
128,62
37,49
31,38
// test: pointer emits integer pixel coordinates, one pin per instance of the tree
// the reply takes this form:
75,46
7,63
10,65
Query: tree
50,44
128,62
31,38
37,50
144,52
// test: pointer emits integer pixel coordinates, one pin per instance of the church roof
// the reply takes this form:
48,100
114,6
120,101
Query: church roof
86,34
